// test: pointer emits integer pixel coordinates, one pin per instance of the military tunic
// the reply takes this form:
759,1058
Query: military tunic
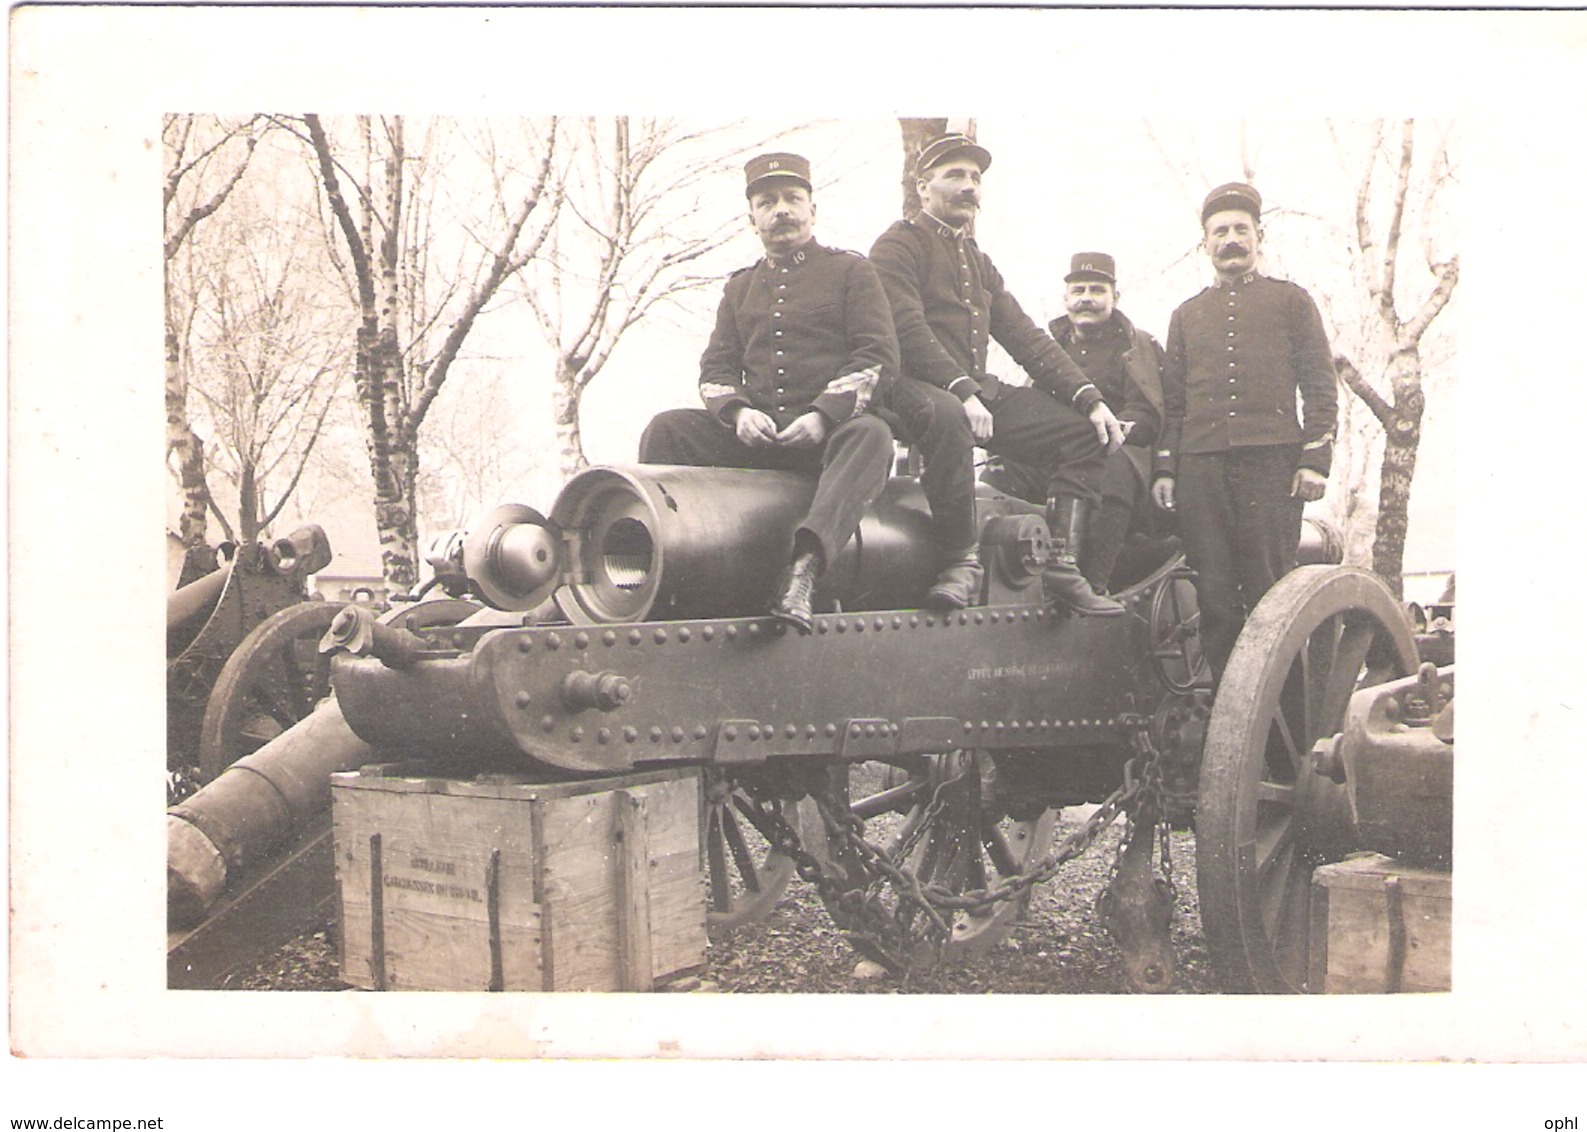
1238,355
810,331
949,302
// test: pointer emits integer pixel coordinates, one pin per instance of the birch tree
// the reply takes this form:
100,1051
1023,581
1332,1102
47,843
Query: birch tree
268,352
1398,193
422,264
642,212
205,159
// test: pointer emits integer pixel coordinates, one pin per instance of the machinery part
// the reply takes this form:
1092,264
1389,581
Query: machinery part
303,552
944,836
272,680
746,876
652,542
208,619
1011,677
1264,818
1396,759
1179,730
512,557
355,629
1138,906
1175,626
1321,544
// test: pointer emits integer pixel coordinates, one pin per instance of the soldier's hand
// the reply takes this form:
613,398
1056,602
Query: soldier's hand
1308,485
980,418
755,429
1110,432
805,432
1163,492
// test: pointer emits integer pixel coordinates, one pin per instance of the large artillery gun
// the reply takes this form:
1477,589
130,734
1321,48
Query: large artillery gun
908,763
642,646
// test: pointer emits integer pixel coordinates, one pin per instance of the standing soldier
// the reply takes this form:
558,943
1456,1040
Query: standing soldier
803,342
1234,460
1126,365
948,303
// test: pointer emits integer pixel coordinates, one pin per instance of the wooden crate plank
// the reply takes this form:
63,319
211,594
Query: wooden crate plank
632,844
1384,928
524,886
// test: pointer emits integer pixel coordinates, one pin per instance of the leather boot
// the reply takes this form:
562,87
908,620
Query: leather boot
794,591
959,584
1109,525
1062,581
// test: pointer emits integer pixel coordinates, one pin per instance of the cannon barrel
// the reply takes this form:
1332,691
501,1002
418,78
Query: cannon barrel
253,808
189,606
657,542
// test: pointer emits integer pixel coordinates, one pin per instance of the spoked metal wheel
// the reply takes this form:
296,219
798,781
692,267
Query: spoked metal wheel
1264,818
746,876
1176,634
930,819
277,675
271,680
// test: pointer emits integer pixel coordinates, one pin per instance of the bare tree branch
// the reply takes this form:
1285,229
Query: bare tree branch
1351,376
1391,245
1448,275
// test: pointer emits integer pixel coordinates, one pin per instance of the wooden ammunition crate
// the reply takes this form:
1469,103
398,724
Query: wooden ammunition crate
1378,927
496,884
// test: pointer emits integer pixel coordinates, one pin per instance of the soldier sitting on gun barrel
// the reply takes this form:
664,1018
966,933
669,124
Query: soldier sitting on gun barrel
802,345
949,302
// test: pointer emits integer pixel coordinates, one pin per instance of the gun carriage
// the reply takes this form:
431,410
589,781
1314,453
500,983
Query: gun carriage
623,634
241,662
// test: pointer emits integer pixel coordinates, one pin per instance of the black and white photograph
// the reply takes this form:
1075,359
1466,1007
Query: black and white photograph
670,554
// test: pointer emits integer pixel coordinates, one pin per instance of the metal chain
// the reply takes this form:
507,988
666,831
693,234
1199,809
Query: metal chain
892,933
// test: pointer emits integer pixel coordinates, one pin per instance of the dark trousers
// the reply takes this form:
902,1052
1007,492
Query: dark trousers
850,469
1028,426
1241,529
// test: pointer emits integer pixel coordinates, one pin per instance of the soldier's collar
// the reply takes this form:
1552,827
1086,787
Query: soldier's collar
1248,278
932,224
795,257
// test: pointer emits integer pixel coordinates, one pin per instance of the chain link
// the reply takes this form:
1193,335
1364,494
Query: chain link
922,911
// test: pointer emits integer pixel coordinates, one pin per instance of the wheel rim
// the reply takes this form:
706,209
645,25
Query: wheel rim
1265,819
271,680
276,676
938,828
745,877
1176,635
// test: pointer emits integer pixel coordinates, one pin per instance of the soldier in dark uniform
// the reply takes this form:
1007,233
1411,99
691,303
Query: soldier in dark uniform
802,346
1126,365
948,303
1234,460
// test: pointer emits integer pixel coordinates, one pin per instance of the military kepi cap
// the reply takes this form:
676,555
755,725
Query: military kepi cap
1235,194
775,166
944,146
1091,265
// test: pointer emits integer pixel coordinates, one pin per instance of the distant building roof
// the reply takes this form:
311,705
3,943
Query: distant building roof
358,562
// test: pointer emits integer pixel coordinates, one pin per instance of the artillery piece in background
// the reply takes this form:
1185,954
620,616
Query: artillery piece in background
626,633
241,665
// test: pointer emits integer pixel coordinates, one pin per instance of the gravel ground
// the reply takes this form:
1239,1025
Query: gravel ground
1059,947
